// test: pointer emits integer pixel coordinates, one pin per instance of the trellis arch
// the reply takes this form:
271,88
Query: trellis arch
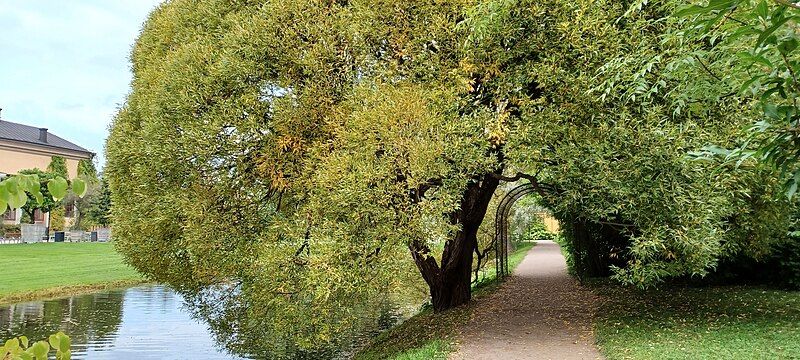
501,226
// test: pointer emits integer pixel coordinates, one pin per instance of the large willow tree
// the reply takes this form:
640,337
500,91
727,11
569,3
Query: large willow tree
313,153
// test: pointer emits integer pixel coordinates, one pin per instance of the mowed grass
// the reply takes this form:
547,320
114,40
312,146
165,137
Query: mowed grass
429,336
732,322
28,271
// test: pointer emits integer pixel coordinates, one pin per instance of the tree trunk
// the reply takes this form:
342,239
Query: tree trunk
450,283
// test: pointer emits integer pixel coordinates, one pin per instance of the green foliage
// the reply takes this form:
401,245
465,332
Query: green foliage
57,220
569,252
87,170
14,191
538,231
786,256
57,187
21,349
606,136
38,191
301,149
98,208
525,214
9,229
91,197
750,52
58,166
85,195
755,42
34,189
277,144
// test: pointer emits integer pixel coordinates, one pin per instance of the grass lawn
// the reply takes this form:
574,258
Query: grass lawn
32,271
428,335
734,322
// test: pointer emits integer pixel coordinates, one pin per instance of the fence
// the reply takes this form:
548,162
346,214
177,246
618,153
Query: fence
10,240
33,233
38,233
103,234
78,236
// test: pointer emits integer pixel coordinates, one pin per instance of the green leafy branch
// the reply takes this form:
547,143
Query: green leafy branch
764,40
15,189
21,349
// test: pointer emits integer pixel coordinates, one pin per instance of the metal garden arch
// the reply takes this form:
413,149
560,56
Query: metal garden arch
501,226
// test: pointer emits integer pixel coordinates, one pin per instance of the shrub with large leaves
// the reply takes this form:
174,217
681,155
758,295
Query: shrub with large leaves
56,346
18,190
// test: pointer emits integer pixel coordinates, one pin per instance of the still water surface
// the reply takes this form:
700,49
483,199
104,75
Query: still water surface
148,322
145,322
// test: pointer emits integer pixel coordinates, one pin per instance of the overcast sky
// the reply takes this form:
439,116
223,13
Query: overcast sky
64,64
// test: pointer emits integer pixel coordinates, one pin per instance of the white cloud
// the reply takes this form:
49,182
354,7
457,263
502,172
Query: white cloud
64,64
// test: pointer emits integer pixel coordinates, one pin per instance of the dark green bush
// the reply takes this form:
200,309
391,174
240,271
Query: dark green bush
780,266
788,259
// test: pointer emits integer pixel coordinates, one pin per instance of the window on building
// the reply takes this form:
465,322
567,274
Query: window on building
69,210
10,215
38,216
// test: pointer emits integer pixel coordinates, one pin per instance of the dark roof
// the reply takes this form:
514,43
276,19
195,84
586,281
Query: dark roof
30,135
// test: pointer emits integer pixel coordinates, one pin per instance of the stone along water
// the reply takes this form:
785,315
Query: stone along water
146,322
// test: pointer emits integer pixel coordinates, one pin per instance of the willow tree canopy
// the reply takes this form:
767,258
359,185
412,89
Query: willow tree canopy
315,152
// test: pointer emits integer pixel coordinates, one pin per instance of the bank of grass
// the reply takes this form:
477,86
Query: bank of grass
432,336
48,270
679,322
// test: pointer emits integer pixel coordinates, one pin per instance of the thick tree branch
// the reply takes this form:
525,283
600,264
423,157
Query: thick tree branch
541,189
517,177
426,263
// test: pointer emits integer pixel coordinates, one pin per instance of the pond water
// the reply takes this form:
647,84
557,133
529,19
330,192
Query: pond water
146,322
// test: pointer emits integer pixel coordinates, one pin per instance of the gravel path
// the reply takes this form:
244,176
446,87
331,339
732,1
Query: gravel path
539,313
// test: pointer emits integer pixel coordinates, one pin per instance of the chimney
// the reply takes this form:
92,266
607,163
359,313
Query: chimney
43,135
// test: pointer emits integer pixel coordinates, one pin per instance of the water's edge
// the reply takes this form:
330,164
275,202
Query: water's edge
59,292
143,322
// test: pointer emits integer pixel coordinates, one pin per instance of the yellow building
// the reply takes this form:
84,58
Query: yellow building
26,147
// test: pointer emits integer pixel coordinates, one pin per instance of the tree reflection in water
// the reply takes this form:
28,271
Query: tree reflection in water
93,318
257,333
154,322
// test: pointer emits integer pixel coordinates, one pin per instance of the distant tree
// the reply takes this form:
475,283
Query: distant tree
44,204
84,205
87,170
58,218
58,166
56,211
99,204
